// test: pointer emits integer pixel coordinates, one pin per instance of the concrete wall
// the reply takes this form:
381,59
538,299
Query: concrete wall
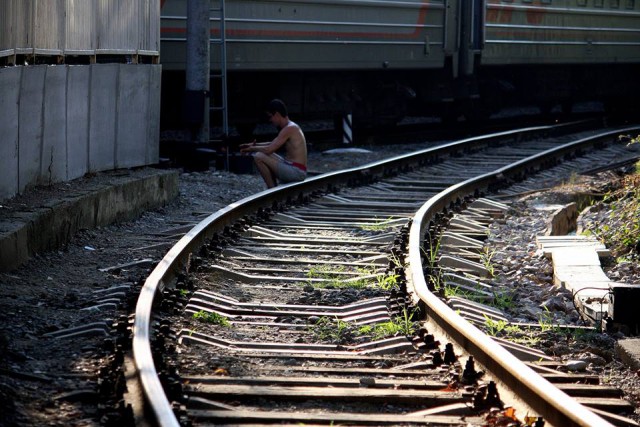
60,122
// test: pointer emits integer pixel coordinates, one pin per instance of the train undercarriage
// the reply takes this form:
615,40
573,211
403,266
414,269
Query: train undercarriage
383,98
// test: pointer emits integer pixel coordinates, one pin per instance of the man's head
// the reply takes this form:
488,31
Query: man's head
277,106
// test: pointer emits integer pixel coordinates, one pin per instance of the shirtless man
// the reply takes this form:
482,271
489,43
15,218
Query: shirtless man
272,167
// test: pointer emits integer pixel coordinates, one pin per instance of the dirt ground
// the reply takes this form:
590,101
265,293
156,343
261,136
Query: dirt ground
93,280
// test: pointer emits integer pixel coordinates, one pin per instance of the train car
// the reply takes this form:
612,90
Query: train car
321,56
560,52
382,59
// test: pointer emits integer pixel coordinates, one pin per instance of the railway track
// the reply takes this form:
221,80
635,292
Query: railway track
310,304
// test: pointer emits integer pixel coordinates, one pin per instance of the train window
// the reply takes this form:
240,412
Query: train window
615,4
631,4
582,2
598,3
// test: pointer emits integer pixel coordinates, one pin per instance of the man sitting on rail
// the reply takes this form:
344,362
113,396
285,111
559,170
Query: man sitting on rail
272,167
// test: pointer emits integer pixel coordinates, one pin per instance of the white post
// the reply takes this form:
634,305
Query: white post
347,129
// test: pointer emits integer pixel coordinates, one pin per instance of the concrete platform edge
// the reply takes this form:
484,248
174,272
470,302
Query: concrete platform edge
628,350
53,226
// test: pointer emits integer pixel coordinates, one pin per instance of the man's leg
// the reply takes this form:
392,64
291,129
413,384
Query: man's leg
267,166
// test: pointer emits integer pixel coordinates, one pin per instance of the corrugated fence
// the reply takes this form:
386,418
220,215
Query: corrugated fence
79,27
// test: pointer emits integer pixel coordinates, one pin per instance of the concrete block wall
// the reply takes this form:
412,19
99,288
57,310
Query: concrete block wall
60,122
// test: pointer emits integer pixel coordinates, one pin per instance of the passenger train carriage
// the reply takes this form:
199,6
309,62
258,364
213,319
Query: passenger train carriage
382,59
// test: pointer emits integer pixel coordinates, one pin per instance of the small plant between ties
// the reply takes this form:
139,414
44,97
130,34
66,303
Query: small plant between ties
400,324
387,282
431,254
324,271
455,291
494,327
339,331
545,320
333,277
379,225
214,318
503,300
331,329
396,261
486,256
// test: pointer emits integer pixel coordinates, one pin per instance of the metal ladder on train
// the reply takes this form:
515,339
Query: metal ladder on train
221,76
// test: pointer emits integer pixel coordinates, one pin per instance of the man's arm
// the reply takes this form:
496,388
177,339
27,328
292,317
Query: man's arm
268,147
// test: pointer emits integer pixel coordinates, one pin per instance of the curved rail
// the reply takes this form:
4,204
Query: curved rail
177,257
563,411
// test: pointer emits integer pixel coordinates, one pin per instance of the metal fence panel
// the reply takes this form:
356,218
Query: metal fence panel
22,16
117,26
48,26
6,23
58,27
149,25
80,34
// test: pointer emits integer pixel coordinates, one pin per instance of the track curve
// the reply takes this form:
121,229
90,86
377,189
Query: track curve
265,203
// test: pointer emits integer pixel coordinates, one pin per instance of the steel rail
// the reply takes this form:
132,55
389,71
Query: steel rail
177,257
556,407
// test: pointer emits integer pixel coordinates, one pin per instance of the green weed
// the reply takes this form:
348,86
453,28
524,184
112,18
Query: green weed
432,253
545,320
396,261
325,271
381,225
387,282
486,257
400,324
494,327
214,318
503,300
334,277
332,330
622,234
455,291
